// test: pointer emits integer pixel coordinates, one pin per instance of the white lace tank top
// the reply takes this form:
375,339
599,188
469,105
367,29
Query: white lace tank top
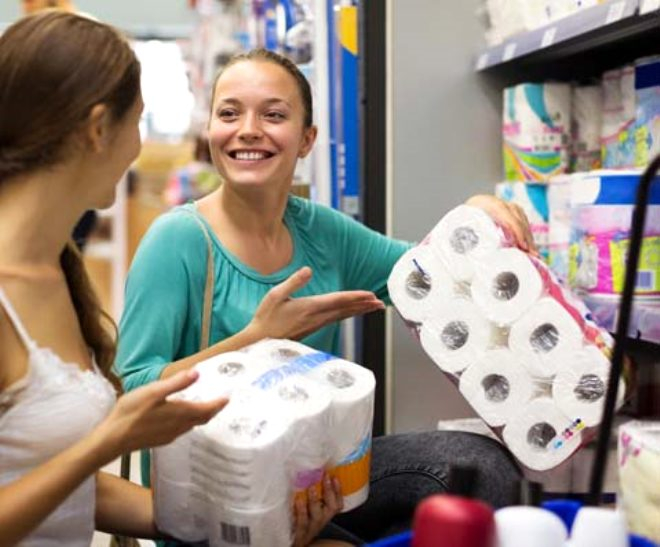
52,407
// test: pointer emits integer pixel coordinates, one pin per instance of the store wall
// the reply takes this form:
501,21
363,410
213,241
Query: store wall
157,17
445,147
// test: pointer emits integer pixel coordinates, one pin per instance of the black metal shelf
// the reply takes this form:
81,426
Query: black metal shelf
616,29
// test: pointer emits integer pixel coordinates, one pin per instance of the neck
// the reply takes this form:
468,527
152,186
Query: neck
38,216
258,213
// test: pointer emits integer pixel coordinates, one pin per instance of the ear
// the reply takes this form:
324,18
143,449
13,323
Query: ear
97,128
309,138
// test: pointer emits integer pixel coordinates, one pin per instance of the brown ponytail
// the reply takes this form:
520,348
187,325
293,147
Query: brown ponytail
98,328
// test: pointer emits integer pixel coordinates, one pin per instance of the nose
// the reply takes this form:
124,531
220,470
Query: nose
250,129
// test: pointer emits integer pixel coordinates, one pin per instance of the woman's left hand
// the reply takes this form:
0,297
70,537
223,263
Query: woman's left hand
510,216
311,517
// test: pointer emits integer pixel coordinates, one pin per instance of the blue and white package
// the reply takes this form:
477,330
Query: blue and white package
647,123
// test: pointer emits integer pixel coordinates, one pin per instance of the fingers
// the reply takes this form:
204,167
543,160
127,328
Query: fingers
343,300
284,290
315,508
162,388
334,501
301,518
204,411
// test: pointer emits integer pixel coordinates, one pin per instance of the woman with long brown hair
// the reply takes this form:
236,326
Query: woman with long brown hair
70,104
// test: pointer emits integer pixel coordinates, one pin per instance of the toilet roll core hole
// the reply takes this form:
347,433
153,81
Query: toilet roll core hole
293,393
505,286
455,335
418,284
285,354
247,427
496,388
230,369
340,378
590,388
463,240
540,435
544,338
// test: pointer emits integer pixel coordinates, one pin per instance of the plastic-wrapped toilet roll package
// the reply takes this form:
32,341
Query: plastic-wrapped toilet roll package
294,414
639,477
521,348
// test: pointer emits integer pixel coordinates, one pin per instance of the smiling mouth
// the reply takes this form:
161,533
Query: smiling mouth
250,155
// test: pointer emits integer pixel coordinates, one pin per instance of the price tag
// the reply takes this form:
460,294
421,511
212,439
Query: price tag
482,61
548,37
615,13
648,6
509,52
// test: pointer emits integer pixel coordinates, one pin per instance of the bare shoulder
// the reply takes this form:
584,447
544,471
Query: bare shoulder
13,354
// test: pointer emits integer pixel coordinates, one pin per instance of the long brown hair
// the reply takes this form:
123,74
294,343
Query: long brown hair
268,56
54,68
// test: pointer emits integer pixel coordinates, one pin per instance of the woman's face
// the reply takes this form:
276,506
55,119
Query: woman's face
256,131
122,149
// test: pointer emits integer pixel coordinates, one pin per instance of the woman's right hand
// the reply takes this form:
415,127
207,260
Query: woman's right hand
145,417
279,315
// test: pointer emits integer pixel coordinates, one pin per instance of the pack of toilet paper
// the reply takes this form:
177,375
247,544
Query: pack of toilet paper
520,347
294,413
639,469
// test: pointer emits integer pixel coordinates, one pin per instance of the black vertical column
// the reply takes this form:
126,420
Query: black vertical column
373,182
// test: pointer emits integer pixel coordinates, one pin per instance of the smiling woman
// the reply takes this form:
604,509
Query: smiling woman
283,267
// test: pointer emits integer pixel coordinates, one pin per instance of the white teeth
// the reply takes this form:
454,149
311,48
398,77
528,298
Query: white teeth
250,156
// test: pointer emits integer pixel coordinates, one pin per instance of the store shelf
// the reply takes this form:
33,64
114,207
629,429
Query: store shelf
644,320
585,30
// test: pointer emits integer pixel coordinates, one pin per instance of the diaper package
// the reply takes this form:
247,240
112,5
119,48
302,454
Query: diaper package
294,414
602,204
521,348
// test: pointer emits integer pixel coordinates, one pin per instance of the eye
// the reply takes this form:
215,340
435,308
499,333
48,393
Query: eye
275,115
227,113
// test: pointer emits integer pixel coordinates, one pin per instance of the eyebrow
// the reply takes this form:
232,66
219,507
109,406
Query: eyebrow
274,100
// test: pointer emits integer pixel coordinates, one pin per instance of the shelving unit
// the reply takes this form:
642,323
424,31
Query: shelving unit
644,321
610,34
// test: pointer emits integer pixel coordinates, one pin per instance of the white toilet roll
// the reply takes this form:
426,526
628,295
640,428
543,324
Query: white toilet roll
545,337
308,404
258,527
464,235
541,436
456,335
497,386
278,351
580,386
221,374
517,525
240,456
419,284
506,285
351,388
177,512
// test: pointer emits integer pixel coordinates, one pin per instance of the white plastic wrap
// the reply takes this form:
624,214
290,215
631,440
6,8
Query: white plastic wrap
294,413
639,477
521,348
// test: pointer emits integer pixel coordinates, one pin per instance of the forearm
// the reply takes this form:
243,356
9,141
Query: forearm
244,338
124,508
26,502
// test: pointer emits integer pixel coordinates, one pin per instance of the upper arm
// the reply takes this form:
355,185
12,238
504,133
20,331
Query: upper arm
368,256
168,262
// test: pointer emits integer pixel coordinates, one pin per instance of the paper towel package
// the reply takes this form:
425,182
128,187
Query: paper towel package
294,414
520,347
536,131
639,472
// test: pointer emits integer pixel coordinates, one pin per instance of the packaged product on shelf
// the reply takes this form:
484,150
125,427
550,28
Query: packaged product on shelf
536,129
601,212
521,348
586,127
639,469
294,414
647,123
619,110
559,224
511,17
533,198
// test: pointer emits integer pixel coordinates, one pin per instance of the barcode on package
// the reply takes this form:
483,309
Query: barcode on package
645,280
236,535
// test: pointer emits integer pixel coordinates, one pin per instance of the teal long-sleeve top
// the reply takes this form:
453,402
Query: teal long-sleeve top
164,297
